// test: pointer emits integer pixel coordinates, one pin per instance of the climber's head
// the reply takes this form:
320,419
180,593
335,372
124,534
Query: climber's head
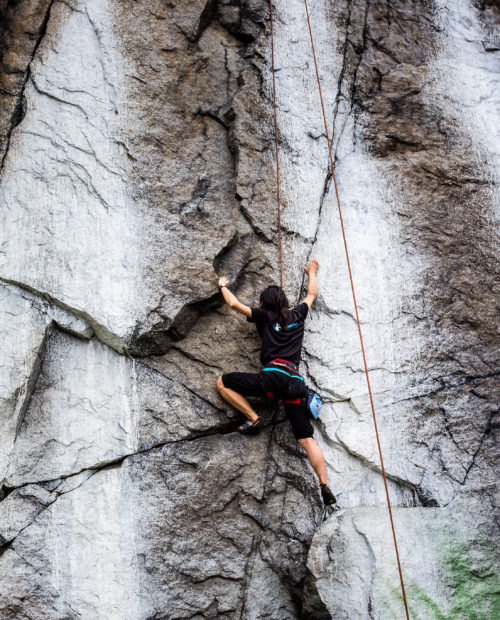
274,298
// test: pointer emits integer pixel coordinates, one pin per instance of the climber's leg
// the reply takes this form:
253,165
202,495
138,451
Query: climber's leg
237,400
300,419
316,458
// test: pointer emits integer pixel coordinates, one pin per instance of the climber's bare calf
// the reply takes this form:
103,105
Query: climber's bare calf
316,458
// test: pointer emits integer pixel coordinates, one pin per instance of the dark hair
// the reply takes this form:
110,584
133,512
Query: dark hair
274,298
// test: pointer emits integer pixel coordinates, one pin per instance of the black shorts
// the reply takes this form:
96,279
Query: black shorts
272,384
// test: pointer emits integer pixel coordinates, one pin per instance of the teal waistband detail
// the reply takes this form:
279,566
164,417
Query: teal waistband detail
284,372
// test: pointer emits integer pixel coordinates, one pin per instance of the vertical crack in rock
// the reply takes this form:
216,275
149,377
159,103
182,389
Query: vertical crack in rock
32,381
16,46
268,478
373,567
207,15
488,431
336,134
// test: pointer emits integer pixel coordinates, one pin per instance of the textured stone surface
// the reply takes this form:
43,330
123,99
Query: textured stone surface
137,166
22,26
451,566
92,407
25,324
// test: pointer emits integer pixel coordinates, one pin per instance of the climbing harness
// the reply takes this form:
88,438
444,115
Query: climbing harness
311,400
283,372
278,361
290,366
348,264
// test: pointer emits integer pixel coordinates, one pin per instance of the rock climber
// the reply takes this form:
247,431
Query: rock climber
282,332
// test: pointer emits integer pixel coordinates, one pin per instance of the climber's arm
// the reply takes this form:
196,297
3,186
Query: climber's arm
232,300
312,285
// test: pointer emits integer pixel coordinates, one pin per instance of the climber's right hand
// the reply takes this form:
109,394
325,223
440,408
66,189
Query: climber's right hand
312,267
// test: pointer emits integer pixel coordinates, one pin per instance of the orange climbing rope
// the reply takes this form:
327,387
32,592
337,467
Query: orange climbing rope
348,266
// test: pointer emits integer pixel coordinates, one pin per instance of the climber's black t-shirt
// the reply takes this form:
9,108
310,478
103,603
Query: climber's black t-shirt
276,341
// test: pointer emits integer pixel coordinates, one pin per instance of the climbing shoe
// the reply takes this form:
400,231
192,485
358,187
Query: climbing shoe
250,428
328,496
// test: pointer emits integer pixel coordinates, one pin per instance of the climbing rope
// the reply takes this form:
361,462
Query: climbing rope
276,144
348,266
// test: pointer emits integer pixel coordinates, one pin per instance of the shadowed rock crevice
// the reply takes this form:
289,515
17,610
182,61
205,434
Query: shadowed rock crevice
105,335
22,27
31,385
233,259
213,73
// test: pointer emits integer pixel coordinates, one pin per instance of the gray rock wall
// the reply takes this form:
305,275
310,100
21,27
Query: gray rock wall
137,166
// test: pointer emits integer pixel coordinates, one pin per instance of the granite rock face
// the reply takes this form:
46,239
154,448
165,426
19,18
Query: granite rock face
449,571
137,154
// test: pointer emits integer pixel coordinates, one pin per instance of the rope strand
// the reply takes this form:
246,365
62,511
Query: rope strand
357,317
276,144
